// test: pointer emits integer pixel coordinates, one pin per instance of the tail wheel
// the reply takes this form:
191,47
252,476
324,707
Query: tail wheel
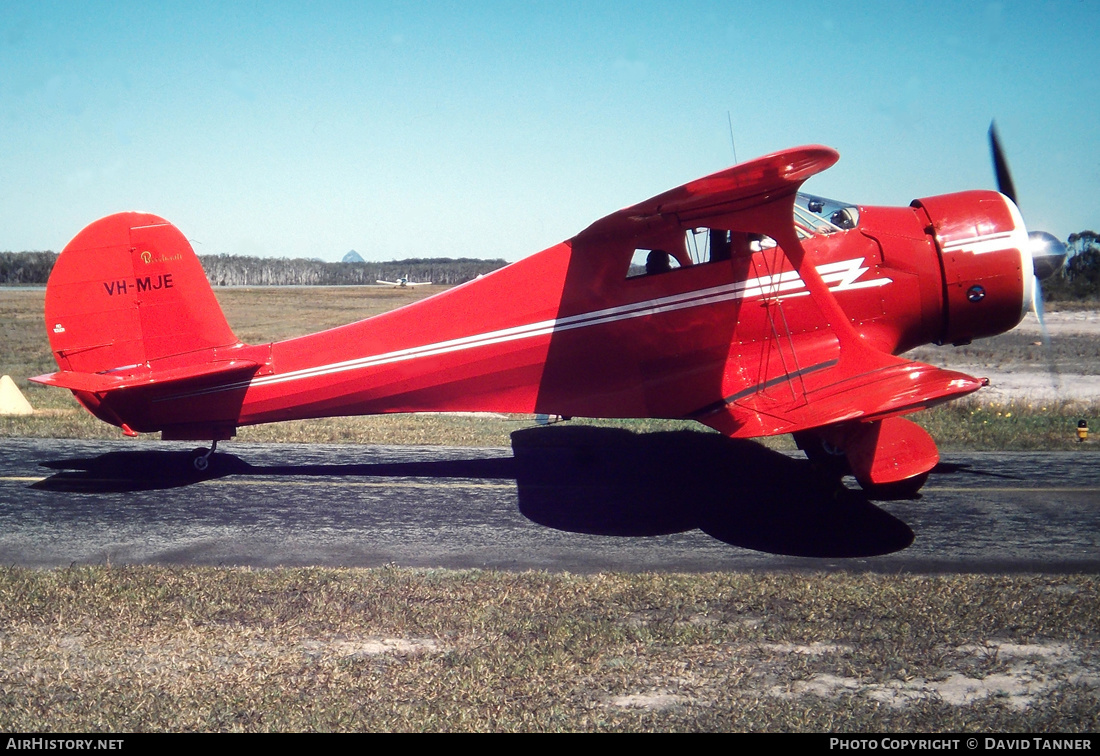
201,458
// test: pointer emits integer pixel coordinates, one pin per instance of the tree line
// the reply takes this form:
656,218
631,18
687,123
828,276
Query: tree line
1080,277
240,270
26,268
33,268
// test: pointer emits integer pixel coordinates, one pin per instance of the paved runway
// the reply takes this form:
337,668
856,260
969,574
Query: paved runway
564,498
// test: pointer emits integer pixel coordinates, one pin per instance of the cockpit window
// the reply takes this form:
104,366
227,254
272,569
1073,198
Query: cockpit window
650,262
695,246
817,215
813,216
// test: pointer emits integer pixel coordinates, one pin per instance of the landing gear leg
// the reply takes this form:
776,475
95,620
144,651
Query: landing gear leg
891,458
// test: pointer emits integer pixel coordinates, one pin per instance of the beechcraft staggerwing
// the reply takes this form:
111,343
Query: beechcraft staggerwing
733,300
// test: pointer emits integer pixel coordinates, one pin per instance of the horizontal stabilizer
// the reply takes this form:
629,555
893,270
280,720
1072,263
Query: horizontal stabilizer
100,382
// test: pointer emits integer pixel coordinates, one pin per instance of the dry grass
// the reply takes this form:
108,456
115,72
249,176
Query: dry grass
395,649
262,314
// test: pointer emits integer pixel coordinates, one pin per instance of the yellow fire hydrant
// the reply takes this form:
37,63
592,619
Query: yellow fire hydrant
1082,431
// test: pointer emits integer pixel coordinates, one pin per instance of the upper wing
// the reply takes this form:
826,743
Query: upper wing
757,185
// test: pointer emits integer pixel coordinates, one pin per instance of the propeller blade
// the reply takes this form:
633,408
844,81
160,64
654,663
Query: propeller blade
1037,308
1048,348
1000,166
1047,252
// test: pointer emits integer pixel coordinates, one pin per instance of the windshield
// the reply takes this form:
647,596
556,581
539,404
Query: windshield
818,215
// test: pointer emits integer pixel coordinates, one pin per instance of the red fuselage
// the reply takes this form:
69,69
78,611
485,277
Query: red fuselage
569,331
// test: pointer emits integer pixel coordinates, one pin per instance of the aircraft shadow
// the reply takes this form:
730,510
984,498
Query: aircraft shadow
599,481
611,481
150,470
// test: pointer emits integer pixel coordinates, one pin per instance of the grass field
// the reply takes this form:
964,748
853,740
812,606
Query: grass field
138,649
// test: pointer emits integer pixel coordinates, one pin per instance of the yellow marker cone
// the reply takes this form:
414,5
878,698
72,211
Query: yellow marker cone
12,401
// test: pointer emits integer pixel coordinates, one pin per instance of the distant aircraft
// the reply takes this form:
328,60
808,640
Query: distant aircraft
766,311
403,282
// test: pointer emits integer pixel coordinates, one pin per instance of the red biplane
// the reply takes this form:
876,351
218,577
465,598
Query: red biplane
733,300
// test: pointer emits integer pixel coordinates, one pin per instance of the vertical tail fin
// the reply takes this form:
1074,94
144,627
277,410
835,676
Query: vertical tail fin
129,291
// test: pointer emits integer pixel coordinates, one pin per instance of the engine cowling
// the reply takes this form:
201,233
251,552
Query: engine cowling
986,263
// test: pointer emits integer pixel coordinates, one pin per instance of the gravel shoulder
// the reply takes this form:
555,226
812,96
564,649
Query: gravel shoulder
1020,368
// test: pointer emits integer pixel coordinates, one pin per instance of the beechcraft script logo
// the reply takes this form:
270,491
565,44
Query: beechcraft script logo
148,257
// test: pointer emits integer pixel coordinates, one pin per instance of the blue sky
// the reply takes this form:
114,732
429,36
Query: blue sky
498,129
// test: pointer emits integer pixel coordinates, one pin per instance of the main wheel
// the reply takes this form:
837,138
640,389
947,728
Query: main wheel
822,454
902,489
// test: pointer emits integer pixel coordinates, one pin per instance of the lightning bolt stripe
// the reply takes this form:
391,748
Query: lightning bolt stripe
982,244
